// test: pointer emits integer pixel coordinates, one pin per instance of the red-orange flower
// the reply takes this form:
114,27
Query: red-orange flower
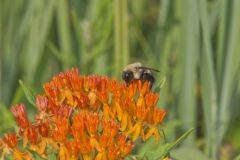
110,130
63,112
10,140
113,152
20,115
61,130
151,99
43,129
131,91
42,103
73,149
78,126
116,88
85,148
103,96
125,145
32,135
11,147
87,117
141,113
91,122
158,116
143,88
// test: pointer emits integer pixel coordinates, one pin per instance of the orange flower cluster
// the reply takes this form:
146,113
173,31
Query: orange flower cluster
91,117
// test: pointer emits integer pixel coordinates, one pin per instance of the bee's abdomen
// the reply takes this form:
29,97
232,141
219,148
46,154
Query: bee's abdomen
147,76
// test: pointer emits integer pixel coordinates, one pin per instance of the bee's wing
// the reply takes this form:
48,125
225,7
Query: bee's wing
152,69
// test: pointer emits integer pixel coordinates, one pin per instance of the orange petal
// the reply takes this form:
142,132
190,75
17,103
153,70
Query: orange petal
18,155
140,101
68,95
131,130
25,139
137,131
86,157
143,135
92,97
43,146
124,121
63,153
150,132
37,149
156,135
101,156
129,122
106,111
158,115
52,143
131,91
119,111
94,143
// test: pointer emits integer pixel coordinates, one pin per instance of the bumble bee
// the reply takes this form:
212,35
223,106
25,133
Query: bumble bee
136,71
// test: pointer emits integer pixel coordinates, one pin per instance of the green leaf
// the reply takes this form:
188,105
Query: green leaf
186,153
160,84
237,158
7,121
28,93
52,157
163,150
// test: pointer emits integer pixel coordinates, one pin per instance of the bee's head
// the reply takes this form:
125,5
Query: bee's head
127,76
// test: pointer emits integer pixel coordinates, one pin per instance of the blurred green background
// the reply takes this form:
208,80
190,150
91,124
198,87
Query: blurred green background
195,45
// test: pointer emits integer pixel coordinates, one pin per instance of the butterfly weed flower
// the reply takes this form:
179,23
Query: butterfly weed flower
85,117
10,140
9,146
42,103
22,121
20,116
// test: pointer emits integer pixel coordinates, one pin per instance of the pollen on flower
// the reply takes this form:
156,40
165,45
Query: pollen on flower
87,117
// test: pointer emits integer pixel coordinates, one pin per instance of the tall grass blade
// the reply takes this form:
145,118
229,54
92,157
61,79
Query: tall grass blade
125,41
39,27
232,64
82,46
117,37
64,30
208,81
187,101
222,36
